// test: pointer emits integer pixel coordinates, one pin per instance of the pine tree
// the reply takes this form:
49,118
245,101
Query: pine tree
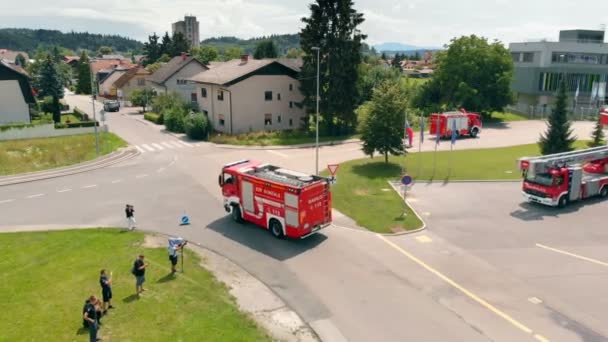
265,49
166,45
152,49
83,86
598,137
51,85
332,26
179,45
558,137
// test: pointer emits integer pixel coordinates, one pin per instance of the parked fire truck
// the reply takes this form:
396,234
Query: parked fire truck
558,179
287,203
604,115
466,123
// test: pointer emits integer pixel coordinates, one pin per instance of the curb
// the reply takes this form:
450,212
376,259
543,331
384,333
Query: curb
473,181
424,226
285,147
113,158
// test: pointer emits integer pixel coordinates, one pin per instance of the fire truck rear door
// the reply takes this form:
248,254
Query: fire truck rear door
247,196
576,178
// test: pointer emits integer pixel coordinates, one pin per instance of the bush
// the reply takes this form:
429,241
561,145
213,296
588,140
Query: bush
153,117
47,104
174,120
165,102
77,124
45,118
196,126
82,116
16,126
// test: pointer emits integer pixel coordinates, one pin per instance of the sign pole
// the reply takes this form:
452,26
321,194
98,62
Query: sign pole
420,145
183,255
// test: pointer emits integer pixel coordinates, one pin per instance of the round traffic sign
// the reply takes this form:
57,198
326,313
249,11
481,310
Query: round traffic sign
185,220
407,180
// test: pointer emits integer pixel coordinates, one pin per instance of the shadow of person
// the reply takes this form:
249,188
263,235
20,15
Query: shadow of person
167,278
130,298
82,331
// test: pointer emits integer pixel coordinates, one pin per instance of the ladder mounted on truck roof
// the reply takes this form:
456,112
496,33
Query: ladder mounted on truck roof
541,163
282,176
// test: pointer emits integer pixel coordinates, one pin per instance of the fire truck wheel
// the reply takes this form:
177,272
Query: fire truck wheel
563,201
276,229
474,133
236,214
604,191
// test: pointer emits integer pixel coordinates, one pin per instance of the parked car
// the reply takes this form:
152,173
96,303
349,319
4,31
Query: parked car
111,106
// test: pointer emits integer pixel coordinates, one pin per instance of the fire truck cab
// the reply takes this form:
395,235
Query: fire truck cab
287,203
465,123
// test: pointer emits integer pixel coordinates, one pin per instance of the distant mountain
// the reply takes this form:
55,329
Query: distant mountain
284,42
29,40
394,47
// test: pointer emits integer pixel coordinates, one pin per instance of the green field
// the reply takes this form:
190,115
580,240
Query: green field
275,138
363,192
70,117
505,117
18,156
46,276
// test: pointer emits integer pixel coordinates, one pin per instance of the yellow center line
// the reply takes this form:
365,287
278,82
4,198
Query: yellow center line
572,255
468,293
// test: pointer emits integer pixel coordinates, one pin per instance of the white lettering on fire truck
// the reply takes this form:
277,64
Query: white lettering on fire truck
315,199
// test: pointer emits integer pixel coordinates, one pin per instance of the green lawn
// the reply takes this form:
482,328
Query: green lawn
362,191
505,117
18,156
274,138
46,277
71,117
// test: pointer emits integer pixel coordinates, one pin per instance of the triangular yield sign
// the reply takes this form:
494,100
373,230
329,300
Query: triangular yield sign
333,168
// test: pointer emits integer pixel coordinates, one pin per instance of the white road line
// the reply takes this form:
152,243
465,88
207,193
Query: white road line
6,201
162,169
34,196
173,161
141,176
89,186
278,153
167,145
116,181
64,190
185,144
462,289
140,149
147,147
158,146
597,262
174,143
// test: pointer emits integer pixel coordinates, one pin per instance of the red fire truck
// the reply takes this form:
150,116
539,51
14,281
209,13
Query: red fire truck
558,179
466,123
604,115
285,202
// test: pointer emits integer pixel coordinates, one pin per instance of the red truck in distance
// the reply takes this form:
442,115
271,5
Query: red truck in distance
466,124
287,203
561,178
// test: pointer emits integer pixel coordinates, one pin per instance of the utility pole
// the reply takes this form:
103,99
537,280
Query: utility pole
317,125
93,97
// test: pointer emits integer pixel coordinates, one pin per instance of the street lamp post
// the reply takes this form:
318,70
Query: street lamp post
93,98
317,123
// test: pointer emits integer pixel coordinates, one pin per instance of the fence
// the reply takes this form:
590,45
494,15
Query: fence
45,131
588,113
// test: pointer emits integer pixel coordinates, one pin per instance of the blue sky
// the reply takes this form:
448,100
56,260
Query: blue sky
418,22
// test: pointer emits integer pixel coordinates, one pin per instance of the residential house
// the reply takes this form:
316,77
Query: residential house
134,78
16,94
71,60
101,68
248,95
173,76
10,56
106,85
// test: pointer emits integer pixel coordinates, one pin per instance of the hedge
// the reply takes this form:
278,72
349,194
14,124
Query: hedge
82,116
17,126
77,124
153,117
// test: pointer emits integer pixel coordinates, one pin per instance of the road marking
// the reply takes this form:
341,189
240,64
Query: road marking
174,143
147,147
426,213
601,263
6,201
278,153
64,190
167,145
141,150
185,144
423,239
141,176
89,186
162,169
116,181
173,161
158,146
34,196
534,300
468,293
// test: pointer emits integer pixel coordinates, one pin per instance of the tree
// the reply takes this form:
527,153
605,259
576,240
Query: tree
104,50
471,74
598,137
51,85
383,56
332,26
21,61
142,97
294,53
265,49
83,86
233,52
153,67
56,54
205,53
152,49
558,137
382,124
370,77
164,58
179,45
166,45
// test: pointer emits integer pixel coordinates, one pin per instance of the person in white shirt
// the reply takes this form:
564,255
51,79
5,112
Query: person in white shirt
175,245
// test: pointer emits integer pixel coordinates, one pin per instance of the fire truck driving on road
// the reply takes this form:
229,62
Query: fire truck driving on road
465,123
558,179
285,202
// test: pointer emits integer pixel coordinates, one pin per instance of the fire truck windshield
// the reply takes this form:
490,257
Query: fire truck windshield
545,179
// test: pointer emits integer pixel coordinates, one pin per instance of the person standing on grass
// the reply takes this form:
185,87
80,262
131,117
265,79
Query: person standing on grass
139,271
175,245
90,318
130,212
106,290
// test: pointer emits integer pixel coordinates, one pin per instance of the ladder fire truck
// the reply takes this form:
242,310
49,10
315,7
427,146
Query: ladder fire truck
287,203
558,179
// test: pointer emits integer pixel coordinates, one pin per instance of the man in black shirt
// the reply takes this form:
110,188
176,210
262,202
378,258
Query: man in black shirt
139,271
90,318
106,291
130,213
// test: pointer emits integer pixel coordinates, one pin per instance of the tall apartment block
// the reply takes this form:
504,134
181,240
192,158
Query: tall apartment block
189,28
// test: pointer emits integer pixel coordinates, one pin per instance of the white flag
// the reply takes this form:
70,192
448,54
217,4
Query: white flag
601,90
594,90
576,93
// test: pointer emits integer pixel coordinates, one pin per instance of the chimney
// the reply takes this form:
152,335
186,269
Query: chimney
184,56
244,58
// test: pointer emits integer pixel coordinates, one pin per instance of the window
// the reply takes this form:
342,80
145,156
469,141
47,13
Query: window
290,104
203,92
206,113
193,98
290,122
279,96
141,81
182,82
278,119
220,119
267,119
515,56
290,87
220,95
528,57
228,179
268,96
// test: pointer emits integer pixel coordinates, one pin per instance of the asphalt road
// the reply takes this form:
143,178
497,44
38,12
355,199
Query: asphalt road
474,275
